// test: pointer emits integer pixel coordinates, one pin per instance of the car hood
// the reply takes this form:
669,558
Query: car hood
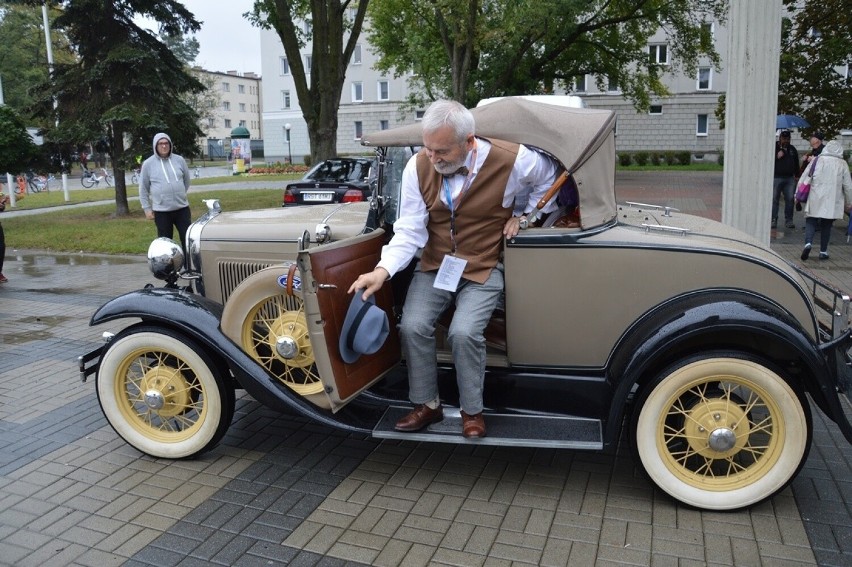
288,223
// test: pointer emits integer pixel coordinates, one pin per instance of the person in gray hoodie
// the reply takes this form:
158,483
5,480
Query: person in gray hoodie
163,183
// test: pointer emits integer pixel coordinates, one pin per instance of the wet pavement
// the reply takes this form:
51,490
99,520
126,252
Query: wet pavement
281,490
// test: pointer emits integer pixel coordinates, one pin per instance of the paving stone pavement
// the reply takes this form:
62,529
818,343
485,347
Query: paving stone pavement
281,490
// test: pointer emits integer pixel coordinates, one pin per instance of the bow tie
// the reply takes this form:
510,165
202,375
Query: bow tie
460,171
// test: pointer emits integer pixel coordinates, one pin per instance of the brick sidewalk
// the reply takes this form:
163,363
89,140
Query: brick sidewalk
280,490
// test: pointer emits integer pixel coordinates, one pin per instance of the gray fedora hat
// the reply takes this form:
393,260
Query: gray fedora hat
364,330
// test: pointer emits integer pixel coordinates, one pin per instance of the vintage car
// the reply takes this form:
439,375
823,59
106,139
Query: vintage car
337,180
700,341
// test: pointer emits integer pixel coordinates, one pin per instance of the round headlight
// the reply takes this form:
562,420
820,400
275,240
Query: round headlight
165,258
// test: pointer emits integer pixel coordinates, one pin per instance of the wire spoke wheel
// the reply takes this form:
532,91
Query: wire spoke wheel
275,334
162,395
721,432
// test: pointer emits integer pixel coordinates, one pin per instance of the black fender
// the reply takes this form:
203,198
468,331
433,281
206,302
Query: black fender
721,319
198,317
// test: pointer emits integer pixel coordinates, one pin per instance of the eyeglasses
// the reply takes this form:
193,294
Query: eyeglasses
163,144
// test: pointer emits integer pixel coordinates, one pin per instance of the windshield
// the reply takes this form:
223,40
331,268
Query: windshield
392,166
341,170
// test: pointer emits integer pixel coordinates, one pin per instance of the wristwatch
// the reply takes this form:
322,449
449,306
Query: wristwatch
522,222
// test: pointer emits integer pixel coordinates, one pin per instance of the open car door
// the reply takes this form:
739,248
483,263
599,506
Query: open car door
327,272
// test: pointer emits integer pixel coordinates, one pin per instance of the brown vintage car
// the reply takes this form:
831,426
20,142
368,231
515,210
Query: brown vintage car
704,344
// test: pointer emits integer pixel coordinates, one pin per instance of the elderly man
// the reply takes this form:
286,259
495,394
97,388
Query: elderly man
456,205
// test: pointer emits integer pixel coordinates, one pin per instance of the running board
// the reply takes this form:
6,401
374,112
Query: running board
505,430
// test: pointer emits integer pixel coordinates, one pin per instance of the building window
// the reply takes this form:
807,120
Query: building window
285,99
384,90
659,54
242,107
357,92
226,106
285,66
308,28
241,89
226,87
655,109
611,85
708,28
308,61
704,75
701,127
580,84
356,54
286,135
227,122
418,115
359,130
242,123
384,124
211,122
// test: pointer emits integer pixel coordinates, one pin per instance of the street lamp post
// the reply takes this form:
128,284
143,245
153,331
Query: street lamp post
289,151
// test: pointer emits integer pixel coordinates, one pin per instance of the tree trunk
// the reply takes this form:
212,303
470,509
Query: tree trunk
122,208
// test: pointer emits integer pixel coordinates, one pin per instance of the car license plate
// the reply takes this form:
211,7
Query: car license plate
317,196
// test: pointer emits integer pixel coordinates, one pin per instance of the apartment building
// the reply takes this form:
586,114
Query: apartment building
685,120
235,99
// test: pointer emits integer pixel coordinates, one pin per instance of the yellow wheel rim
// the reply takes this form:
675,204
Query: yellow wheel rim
720,433
160,396
275,334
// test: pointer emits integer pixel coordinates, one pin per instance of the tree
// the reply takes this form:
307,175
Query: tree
16,145
328,23
125,84
24,62
468,50
816,41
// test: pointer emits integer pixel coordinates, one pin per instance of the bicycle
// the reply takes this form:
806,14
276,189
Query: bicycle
91,178
196,172
134,178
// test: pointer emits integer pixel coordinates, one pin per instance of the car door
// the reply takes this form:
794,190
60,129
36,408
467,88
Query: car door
327,272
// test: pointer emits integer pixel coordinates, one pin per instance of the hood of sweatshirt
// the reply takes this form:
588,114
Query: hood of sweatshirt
157,138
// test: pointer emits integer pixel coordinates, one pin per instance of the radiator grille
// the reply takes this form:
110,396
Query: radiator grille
232,273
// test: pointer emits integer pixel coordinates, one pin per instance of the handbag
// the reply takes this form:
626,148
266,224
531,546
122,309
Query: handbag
803,189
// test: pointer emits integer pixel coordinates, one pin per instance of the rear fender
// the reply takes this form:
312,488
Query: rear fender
720,319
199,318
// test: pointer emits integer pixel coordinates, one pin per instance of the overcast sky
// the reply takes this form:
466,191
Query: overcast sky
227,40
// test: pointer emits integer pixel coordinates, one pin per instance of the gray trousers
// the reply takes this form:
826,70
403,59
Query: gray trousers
423,305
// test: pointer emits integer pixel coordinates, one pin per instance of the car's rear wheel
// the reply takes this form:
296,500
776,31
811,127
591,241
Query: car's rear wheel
163,394
270,325
721,431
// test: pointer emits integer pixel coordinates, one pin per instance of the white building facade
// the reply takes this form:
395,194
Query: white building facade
238,101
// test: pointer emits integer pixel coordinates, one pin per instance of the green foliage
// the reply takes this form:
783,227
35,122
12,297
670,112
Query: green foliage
683,157
473,50
125,84
625,159
641,158
16,146
670,157
656,158
816,43
721,159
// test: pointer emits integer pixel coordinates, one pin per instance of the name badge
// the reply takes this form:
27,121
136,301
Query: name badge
450,273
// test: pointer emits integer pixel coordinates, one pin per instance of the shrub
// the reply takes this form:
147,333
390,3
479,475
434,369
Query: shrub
277,168
684,158
624,159
307,160
641,158
656,158
670,157
721,158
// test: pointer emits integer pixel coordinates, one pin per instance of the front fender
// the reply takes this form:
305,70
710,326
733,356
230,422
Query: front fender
199,318
724,320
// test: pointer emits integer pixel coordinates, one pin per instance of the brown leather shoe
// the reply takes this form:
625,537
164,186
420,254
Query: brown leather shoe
420,417
473,425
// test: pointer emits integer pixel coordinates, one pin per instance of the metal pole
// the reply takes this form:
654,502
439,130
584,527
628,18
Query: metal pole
289,151
55,103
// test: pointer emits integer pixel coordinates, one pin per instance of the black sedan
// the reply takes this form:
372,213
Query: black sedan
337,180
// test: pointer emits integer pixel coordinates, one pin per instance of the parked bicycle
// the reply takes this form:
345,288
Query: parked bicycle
93,177
196,172
31,182
134,177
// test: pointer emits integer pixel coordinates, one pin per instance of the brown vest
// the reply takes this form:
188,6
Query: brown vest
479,219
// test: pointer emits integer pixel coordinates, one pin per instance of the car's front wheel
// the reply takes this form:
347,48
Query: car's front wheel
162,394
721,431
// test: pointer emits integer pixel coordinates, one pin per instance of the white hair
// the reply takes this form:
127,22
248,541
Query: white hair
449,113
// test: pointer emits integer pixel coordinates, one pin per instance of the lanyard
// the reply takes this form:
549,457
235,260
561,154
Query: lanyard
454,205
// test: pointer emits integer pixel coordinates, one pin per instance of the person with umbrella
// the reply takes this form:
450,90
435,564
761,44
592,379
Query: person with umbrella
784,180
830,195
